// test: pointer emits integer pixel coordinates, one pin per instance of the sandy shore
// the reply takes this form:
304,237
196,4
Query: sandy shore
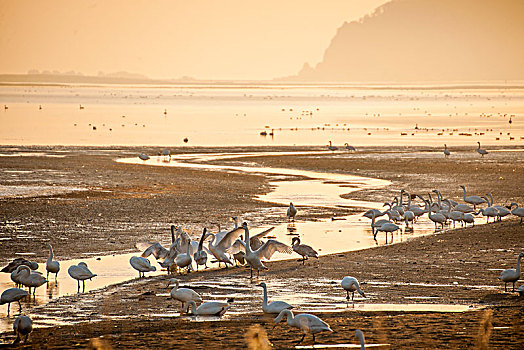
122,204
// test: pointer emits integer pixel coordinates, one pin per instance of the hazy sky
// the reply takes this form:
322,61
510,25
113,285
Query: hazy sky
205,39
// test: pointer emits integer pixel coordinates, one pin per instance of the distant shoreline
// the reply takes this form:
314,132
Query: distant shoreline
94,81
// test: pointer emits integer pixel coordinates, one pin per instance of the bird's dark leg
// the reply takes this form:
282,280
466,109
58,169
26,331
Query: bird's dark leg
347,295
352,295
513,286
301,339
313,339
505,286
9,307
251,269
83,286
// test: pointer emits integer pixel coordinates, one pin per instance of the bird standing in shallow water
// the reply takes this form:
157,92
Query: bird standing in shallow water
291,212
51,265
481,151
350,284
307,323
446,151
80,272
23,325
511,275
11,295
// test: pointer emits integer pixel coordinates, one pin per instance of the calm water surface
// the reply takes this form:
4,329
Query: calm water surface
235,115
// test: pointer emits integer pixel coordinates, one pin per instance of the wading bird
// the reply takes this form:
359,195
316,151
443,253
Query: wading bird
142,265
82,273
511,275
307,323
350,284
273,307
51,265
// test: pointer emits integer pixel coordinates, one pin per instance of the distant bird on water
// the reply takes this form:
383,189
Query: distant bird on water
143,156
291,212
481,151
446,151
349,148
331,147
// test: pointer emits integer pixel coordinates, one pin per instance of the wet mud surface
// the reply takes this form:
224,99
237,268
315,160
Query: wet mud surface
455,268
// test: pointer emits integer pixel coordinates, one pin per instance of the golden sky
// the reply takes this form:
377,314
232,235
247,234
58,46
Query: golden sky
204,39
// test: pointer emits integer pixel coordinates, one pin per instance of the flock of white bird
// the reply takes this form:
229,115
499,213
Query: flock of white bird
441,212
237,246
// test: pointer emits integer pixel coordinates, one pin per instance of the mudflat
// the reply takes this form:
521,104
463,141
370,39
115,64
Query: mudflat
103,206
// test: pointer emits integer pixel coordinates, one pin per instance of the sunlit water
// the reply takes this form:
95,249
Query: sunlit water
236,115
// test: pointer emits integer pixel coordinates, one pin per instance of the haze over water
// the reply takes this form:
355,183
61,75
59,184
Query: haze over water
235,115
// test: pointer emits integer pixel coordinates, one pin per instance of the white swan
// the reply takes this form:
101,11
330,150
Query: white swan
30,279
464,208
273,307
303,249
517,211
219,249
80,272
143,156
23,325
255,242
489,212
253,258
349,148
201,255
437,218
142,265
11,295
378,213
387,227
475,200
468,219
307,323
51,265
502,210
446,151
360,336
291,212
183,294
209,308
184,259
454,215
377,223
350,284
481,151
511,275
13,265
331,147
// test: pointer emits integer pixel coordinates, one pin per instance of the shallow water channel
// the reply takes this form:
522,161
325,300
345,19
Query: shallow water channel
304,189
